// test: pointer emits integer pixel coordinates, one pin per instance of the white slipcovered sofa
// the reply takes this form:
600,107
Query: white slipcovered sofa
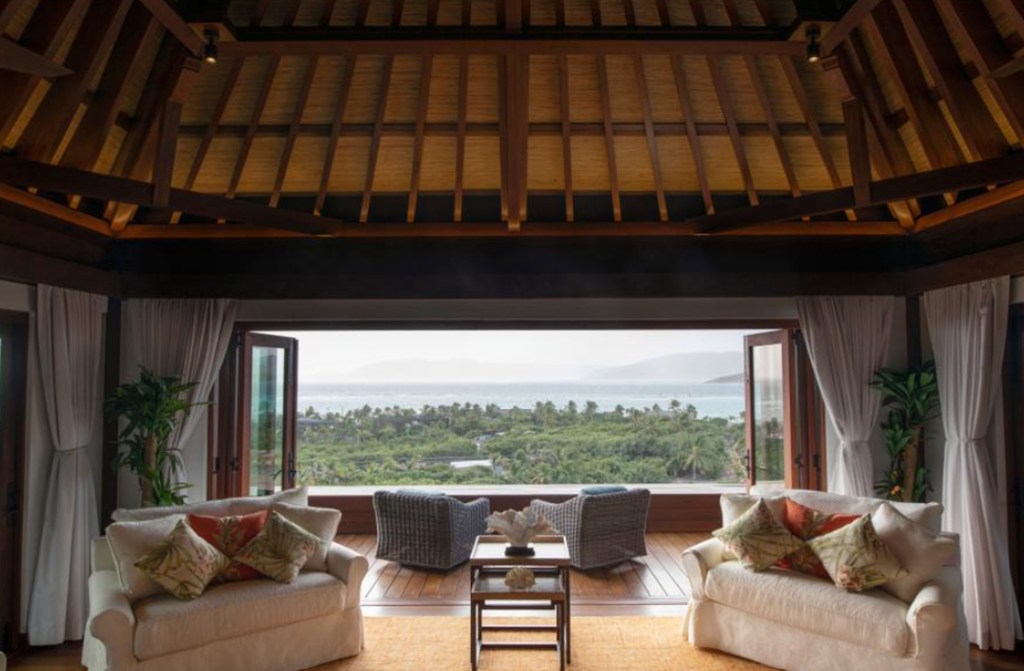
256,625
798,622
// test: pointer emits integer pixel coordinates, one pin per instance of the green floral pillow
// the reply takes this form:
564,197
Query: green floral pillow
855,557
280,550
183,564
757,538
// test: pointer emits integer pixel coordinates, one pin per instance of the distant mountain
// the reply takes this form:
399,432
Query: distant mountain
688,366
727,379
459,370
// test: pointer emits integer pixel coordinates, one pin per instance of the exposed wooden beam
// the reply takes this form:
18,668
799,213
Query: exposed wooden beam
210,129
336,125
964,208
725,102
528,229
460,131
988,52
371,168
426,73
566,116
100,27
47,177
857,148
175,25
8,10
816,129
17,58
254,120
166,144
47,28
683,93
609,137
66,214
488,41
927,32
851,20
906,187
86,144
897,55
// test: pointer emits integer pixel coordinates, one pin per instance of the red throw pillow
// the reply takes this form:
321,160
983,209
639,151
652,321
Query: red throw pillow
229,535
807,523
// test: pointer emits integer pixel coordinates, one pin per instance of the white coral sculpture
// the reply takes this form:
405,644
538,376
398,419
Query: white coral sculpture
519,526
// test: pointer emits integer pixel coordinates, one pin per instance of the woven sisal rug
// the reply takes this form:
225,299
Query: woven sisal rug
598,644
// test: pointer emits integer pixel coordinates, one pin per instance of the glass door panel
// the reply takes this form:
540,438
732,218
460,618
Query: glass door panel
267,416
769,407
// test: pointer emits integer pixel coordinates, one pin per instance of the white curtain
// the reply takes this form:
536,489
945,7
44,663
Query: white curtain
182,338
69,329
847,338
967,325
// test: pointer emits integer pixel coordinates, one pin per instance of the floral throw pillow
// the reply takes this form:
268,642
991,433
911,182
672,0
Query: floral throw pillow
806,523
280,550
229,535
855,557
183,564
757,538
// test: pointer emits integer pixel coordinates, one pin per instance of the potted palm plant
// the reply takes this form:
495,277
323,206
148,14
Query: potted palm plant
150,407
912,399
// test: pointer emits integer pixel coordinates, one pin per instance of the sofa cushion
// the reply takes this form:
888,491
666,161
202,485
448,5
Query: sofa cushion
922,552
280,550
734,505
129,541
229,534
165,625
873,619
321,522
856,558
217,508
600,490
758,538
807,523
184,563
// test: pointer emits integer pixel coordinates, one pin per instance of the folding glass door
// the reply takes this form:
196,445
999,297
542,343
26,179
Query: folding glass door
12,410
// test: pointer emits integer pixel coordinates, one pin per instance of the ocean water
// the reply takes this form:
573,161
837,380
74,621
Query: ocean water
714,400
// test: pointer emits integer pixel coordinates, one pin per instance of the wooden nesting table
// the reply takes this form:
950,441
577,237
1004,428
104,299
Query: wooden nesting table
488,591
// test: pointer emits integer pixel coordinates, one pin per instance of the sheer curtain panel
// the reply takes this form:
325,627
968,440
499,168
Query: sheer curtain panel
69,330
847,338
967,325
182,338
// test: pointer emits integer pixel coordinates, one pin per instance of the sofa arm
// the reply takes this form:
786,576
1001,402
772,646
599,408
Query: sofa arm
700,559
350,567
935,615
111,619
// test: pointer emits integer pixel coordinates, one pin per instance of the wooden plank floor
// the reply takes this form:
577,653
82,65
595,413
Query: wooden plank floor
651,585
655,579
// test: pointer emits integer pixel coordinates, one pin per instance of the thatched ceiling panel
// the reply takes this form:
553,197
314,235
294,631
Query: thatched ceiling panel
613,12
807,164
365,90
545,172
26,113
577,12
206,91
634,164
584,92
110,148
247,91
483,163
284,94
348,174
720,161
677,167
545,99
589,164
17,25
143,65
482,96
304,176
322,106
779,91
765,164
700,90
261,167
661,89
449,13
444,90
394,164
403,95
997,112
185,155
623,92
438,169
215,173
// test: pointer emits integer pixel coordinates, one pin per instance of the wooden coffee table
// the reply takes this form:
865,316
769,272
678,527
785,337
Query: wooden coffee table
488,591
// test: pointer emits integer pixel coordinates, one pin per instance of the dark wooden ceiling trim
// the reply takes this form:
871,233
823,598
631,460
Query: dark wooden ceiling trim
166,148
168,16
906,187
20,265
371,169
16,58
8,10
336,127
17,196
851,20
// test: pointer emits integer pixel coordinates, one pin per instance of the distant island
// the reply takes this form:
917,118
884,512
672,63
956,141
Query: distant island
727,379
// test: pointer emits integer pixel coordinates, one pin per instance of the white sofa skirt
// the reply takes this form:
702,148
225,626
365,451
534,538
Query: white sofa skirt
713,625
292,647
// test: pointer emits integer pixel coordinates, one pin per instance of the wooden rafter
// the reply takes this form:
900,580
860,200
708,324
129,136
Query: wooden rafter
58,179
8,10
332,142
648,119
566,116
988,52
897,56
609,137
855,15
166,145
87,142
100,27
815,128
175,25
857,148
682,91
902,188
17,196
924,26
460,133
16,58
371,168
998,196
725,102
211,128
44,34
426,72
490,41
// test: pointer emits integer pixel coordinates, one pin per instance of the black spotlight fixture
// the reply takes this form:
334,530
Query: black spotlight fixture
813,47
210,47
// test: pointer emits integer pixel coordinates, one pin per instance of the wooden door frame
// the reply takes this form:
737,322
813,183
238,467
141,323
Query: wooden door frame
13,464
1013,426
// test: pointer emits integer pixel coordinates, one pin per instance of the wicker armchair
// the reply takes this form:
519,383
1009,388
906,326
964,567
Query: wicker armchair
432,531
601,529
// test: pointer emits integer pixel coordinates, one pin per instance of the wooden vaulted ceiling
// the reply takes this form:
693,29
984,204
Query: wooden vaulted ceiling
511,117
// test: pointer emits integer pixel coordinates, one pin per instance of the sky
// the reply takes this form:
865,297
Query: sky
334,356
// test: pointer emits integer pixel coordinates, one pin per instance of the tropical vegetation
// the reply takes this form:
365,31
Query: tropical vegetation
465,443
912,399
